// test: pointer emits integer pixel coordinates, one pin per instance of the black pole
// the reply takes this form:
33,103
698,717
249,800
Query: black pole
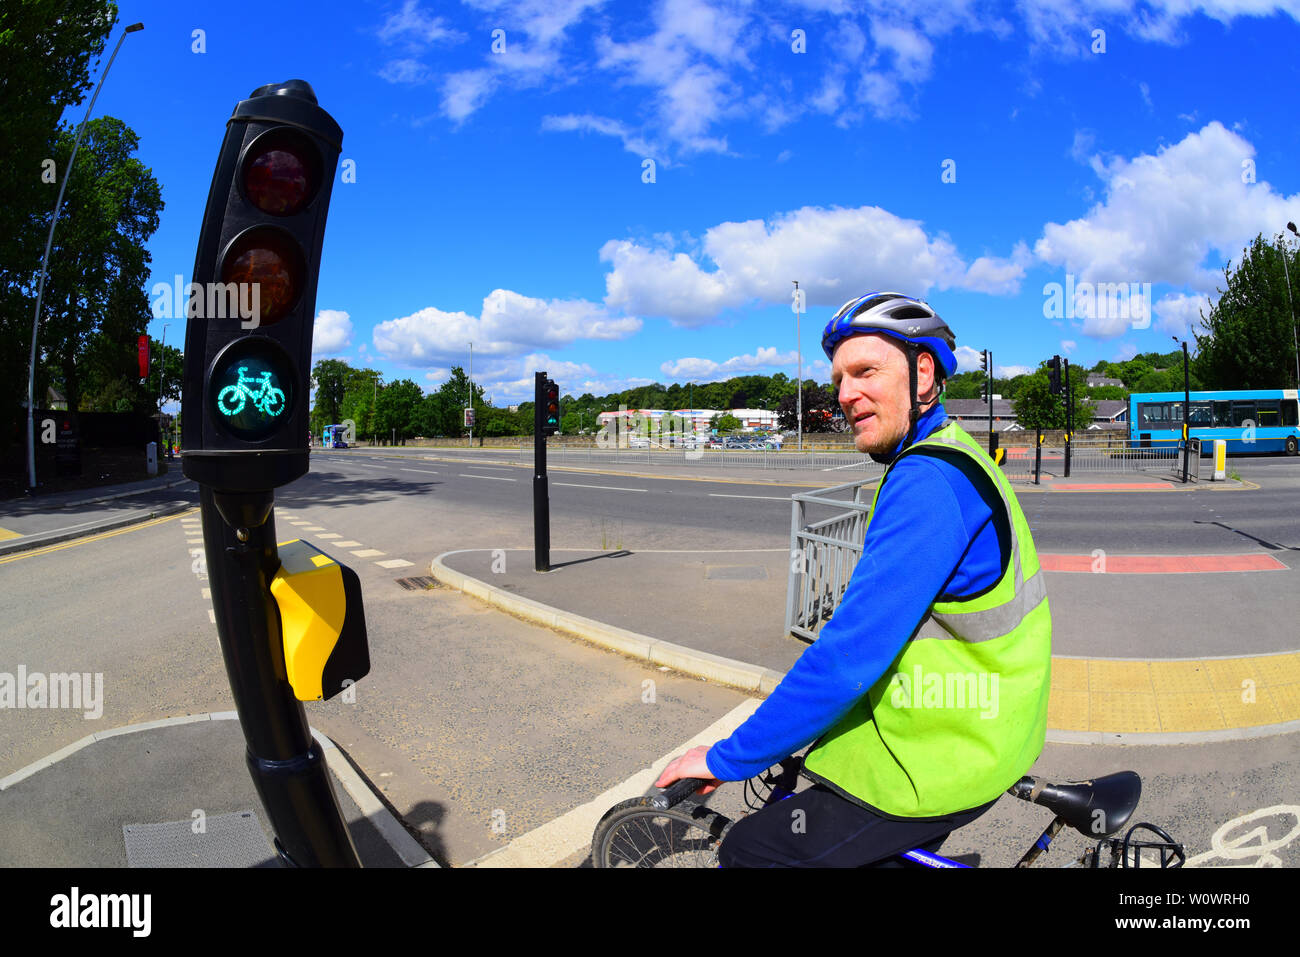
287,765
1038,454
541,499
1187,404
1069,416
989,392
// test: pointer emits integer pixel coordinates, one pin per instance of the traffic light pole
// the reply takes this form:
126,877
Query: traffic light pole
1069,416
541,497
286,763
1187,406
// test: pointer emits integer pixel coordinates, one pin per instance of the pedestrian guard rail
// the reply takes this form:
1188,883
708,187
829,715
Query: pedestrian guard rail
826,532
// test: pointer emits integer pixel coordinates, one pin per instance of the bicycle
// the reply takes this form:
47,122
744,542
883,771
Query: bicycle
268,399
667,830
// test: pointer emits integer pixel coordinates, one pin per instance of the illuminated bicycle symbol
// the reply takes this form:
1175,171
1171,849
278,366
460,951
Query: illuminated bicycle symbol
266,399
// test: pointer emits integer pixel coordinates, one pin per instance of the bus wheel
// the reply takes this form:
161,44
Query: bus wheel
1291,445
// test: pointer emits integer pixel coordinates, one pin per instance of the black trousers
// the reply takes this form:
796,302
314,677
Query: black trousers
818,828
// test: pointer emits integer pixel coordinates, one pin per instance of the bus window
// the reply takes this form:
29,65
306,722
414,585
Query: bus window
1222,414
1243,412
1270,413
1289,412
1201,416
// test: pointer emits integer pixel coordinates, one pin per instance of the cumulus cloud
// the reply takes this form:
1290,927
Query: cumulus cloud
587,123
705,370
509,324
1163,215
1010,372
1179,314
836,253
331,333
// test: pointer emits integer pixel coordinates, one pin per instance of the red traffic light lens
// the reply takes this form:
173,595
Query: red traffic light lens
272,263
281,173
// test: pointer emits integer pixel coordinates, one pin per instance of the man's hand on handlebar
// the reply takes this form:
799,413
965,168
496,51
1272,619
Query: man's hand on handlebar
689,765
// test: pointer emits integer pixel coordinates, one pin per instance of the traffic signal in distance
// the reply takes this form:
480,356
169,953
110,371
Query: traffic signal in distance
1054,375
252,299
984,361
551,409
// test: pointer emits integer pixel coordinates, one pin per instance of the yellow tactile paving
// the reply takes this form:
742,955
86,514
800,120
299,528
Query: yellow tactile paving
6,534
1136,696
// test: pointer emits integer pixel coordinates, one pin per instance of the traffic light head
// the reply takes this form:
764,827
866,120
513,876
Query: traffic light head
252,298
1054,375
984,361
551,411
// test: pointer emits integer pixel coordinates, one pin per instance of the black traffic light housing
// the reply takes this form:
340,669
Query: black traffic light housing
1054,375
551,409
984,361
253,295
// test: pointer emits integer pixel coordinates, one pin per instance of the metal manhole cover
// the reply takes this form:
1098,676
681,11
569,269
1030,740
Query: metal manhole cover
419,583
226,840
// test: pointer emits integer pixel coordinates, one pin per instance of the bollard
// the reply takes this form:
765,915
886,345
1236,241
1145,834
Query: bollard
151,458
1220,460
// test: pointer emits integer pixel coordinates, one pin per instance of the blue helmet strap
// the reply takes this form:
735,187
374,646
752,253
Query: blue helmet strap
912,349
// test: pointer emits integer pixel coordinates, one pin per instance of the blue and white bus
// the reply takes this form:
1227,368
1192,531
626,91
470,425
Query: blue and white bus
333,437
1250,420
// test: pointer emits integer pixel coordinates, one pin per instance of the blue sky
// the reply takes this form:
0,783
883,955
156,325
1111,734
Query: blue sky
967,153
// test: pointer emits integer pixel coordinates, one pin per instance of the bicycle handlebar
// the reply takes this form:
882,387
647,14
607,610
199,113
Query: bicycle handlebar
676,792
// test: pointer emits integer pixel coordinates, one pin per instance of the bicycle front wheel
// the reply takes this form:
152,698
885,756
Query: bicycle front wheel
634,834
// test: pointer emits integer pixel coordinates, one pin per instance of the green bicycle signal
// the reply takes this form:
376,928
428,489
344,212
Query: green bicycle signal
267,399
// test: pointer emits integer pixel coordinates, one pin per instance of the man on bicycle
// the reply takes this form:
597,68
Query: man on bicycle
926,694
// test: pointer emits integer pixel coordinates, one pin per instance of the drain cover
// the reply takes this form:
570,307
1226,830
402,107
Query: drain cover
228,840
419,583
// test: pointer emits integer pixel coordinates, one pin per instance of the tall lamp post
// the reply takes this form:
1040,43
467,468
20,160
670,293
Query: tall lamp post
1187,405
45,262
798,345
1287,272
162,364
471,395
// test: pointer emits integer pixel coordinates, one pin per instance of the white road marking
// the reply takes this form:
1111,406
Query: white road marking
212,616
314,528
425,471
207,593
347,544
299,522
329,535
394,563
851,465
367,553
612,488
495,478
364,466
765,498
570,833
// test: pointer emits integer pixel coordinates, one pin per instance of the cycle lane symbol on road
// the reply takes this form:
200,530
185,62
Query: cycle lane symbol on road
1252,843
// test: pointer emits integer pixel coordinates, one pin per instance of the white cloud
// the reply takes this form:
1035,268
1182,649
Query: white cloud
587,123
1163,215
1010,372
508,325
331,332
413,26
968,359
1068,346
1177,314
705,370
835,253
464,92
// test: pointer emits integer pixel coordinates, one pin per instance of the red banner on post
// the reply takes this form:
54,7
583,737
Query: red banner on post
144,357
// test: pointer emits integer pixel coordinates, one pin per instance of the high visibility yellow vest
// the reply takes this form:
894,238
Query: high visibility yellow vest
961,714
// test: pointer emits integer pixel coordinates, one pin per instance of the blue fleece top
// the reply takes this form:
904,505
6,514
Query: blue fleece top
938,532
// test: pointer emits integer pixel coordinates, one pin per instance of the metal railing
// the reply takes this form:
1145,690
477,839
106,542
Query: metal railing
823,553
1193,460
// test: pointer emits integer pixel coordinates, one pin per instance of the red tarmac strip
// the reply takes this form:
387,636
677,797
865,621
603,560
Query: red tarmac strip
1160,564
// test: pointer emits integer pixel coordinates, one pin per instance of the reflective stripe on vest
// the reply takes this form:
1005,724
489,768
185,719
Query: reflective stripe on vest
961,714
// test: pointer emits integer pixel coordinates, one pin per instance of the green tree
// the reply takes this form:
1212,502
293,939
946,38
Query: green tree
1249,338
46,49
396,410
819,408
725,422
1037,408
330,377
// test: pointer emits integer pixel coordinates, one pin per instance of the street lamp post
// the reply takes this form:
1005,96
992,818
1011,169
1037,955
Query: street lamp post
798,345
45,262
1287,272
471,395
162,364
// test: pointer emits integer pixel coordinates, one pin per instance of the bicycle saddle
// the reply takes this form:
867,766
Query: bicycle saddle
1096,808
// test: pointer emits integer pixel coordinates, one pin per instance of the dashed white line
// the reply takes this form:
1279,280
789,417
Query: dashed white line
395,563
425,471
612,488
329,535
347,544
212,616
765,498
364,466
367,552
495,478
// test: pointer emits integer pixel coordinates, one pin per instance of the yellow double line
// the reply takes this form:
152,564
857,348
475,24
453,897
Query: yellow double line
93,538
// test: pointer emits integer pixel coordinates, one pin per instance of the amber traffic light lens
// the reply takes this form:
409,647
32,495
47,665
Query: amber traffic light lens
281,173
268,266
